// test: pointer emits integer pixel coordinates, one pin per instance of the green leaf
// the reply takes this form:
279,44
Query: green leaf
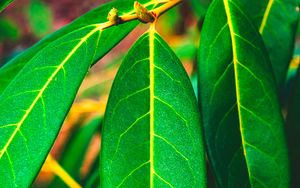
243,125
151,135
110,37
40,18
4,4
293,129
72,158
38,96
277,22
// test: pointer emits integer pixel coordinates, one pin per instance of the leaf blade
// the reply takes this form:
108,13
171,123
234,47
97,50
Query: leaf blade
233,63
95,16
148,69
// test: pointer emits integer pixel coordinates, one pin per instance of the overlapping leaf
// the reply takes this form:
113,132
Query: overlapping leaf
40,85
277,22
242,118
151,133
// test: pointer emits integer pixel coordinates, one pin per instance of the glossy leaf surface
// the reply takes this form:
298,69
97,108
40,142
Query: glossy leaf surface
277,22
37,97
242,118
151,134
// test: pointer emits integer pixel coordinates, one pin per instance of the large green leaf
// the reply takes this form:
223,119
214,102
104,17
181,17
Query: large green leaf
151,134
35,102
243,125
277,22
110,37
293,129
4,4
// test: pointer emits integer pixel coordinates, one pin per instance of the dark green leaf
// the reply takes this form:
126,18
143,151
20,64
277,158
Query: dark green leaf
151,133
242,118
40,18
4,4
35,102
293,129
73,156
277,22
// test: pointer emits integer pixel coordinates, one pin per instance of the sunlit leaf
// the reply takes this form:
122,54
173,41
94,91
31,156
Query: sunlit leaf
242,118
151,134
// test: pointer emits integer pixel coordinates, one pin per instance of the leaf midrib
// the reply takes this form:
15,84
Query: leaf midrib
59,67
266,16
235,63
152,96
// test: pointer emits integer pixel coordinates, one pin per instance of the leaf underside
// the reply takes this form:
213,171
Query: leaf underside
243,125
151,134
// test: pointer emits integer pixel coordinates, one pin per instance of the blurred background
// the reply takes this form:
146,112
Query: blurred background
76,151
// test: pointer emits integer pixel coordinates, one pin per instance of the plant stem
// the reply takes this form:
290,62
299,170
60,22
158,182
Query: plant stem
130,17
160,10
